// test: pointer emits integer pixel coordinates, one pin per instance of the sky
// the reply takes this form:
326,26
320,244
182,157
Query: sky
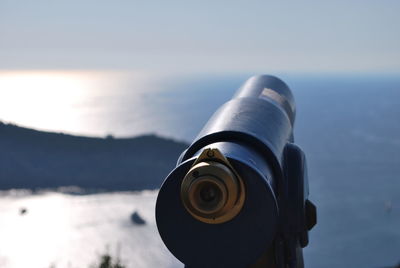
216,36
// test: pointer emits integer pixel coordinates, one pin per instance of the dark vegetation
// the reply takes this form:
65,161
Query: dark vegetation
36,160
106,261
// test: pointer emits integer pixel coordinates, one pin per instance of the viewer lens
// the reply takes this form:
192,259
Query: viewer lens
209,196
209,193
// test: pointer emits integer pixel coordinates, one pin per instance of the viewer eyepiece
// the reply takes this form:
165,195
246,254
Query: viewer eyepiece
207,196
211,191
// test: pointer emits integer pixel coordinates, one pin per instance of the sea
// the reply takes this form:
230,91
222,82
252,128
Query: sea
347,124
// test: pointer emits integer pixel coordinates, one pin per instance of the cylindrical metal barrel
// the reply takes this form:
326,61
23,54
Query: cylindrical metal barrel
219,206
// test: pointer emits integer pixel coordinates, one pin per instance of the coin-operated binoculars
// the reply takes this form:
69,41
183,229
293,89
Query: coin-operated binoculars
239,194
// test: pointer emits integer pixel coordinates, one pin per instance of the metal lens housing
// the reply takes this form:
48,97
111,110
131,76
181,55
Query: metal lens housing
212,193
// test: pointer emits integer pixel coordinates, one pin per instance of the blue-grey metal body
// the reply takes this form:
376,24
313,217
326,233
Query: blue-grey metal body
254,130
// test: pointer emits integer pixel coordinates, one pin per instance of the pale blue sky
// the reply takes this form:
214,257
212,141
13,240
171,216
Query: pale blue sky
216,36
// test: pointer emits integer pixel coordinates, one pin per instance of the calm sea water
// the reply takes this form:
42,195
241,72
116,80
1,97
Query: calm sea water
347,125
60,230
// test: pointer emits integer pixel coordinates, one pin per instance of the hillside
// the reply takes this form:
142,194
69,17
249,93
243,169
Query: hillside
35,159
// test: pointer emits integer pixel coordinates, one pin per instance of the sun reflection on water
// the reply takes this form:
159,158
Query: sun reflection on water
42,99
60,230
65,101
34,235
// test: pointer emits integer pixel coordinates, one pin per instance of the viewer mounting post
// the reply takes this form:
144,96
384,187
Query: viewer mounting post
239,194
